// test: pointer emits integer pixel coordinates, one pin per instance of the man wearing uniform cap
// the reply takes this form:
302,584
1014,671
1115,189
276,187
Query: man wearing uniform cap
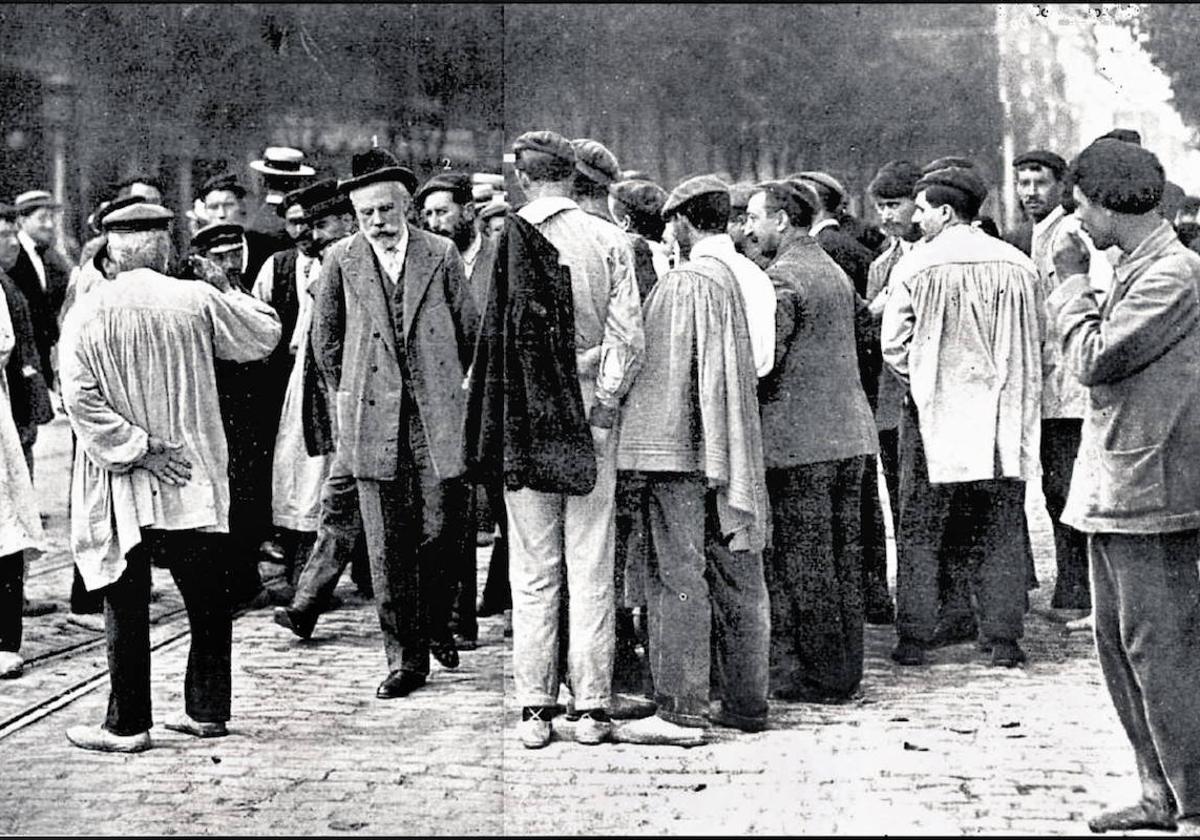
393,330
446,205
704,492
1135,491
817,435
283,170
150,473
968,443
224,200
286,282
548,530
41,272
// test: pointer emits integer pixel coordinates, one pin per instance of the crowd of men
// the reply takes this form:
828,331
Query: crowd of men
673,404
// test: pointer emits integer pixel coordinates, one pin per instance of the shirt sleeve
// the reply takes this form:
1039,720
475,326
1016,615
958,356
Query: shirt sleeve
110,441
897,327
1158,310
244,328
264,283
624,342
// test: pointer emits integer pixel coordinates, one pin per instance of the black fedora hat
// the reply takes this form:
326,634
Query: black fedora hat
375,165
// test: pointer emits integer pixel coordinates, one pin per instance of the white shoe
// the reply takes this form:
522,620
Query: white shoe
11,664
535,733
657,731
590,731
100,739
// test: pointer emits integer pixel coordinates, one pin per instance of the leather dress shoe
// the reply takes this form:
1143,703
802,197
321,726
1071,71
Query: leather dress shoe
399,684
296,621
197,728
720,717
1143,814
445,652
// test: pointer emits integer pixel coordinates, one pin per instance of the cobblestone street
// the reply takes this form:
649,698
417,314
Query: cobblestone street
954,748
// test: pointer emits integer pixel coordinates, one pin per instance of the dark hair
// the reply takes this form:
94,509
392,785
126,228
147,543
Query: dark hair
800,215
963,204
708,212
1040,167
585,187
830,200
647,225
543,167
988,225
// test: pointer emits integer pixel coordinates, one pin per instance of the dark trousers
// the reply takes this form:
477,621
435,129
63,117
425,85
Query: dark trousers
466,586
1146,603
12,599
200,564
1060,445
413,526
814,571
83,601
339,535
630,674
889,460
696,586
497,591
955,539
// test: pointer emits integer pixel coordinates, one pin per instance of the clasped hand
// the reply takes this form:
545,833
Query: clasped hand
163,459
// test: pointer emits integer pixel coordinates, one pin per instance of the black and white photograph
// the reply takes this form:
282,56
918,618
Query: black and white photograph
487,419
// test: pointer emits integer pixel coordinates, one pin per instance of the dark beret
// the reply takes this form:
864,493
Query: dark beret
320,199
952,161
374,166
595,161
791,195
641,196
1120,176
218,237
1125,135
1044,159
226,181
456,183
140,215
547,142
958,178
895,179
691,188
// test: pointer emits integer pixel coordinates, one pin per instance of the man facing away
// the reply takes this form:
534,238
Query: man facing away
150,476
961,325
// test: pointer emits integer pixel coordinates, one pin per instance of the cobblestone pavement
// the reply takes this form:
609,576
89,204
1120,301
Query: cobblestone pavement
954,748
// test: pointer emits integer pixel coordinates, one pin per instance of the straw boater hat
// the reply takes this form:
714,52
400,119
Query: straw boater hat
283,162
32,200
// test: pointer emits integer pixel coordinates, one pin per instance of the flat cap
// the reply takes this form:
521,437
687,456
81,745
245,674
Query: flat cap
1120,176
218,238
374,166
739,195
457,184
96,220
947,163
644,197
284,161
319,199
32,200
226,181
895,179
546,142
824,180
595,161
140,215
496,208
966,181
791,195
691,188
1044,159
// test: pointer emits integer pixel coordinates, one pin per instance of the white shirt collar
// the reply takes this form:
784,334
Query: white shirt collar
719,247
541,209
821,225
472,251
